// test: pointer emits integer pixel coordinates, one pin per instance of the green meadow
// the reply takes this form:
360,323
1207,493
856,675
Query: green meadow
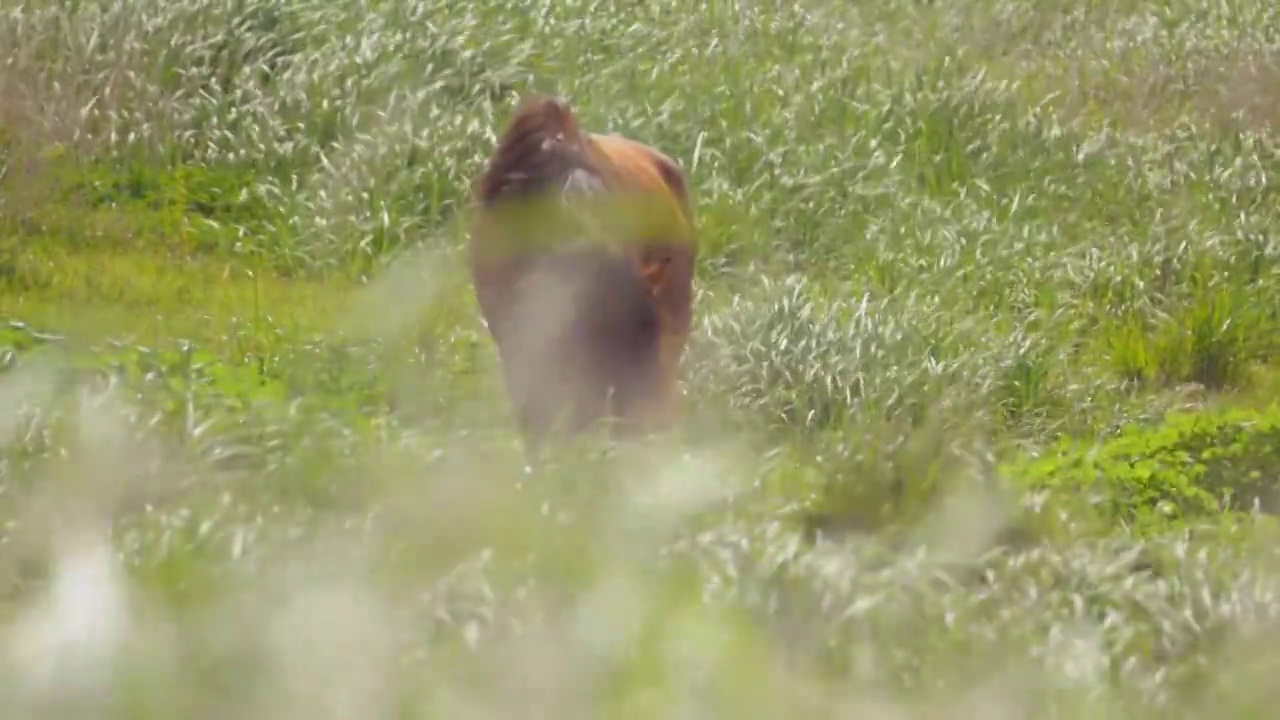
980,406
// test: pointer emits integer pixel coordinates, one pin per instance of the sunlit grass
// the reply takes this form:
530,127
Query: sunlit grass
148,297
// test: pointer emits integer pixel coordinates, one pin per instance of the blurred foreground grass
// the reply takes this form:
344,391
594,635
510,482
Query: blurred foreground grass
981,400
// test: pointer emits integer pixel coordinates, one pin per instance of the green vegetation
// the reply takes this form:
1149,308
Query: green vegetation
982,410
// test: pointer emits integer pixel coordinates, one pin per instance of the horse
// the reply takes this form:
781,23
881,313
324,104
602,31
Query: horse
582,254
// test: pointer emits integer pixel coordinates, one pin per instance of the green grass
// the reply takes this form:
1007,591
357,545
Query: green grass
982,398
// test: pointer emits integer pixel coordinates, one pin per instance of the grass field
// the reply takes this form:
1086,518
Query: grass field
981,404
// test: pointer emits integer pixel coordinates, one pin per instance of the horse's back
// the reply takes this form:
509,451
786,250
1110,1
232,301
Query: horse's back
638,167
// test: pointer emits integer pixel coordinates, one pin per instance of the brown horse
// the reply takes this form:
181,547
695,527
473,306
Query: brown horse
582,255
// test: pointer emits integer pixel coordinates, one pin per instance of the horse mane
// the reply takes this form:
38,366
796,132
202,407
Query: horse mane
542,149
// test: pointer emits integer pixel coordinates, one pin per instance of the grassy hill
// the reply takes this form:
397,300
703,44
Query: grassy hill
981,402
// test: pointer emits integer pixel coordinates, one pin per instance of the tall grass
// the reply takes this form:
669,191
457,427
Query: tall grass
958,261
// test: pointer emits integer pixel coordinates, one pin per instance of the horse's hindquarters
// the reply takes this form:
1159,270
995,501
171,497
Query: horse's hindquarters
579,334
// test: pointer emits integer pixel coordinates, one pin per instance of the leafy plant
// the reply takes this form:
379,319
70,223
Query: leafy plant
1190,466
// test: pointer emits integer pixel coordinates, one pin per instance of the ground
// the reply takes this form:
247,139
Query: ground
980,407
